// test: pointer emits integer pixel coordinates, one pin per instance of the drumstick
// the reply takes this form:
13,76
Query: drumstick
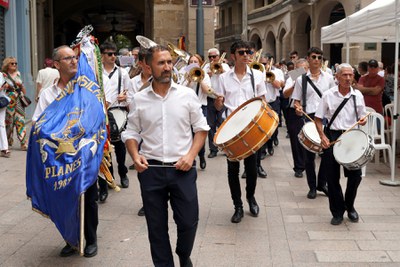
354,125
116,100
308,117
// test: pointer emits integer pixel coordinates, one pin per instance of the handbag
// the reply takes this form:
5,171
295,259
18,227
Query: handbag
25,101
4,101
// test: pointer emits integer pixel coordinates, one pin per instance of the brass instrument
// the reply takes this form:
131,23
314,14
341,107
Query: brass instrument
145,42
177,54
269,75
256,65
216,68
196,74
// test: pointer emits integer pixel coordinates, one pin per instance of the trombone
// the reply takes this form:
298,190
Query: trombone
216,67
256,65
269,75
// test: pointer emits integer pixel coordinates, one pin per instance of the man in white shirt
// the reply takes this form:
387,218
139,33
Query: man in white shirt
117,86
66,64
351,112
306,100
46,77
162,118
214,117
236,86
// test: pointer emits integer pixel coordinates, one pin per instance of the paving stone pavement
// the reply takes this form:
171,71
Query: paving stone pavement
290,230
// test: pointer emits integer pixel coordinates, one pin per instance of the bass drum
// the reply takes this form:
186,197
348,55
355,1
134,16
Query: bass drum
246,129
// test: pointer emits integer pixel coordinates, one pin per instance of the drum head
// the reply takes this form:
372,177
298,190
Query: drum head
120,117
235,124
351,147
310,131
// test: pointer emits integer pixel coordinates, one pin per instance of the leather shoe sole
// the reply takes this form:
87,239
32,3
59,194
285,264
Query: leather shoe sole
336,220
90,250
67,251
312,194
353,216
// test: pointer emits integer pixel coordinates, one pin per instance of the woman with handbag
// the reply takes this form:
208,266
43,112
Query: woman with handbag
4,101
15,114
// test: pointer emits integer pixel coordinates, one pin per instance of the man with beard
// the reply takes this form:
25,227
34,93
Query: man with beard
162,119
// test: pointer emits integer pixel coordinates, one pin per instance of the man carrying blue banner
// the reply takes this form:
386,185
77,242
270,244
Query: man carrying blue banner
66,149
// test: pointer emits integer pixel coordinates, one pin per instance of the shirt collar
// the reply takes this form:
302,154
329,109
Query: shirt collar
352,91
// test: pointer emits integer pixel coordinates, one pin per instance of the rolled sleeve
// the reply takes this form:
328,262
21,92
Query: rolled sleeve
133,127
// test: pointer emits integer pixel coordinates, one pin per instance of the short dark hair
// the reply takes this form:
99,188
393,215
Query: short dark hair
151,50
294,52
239,44
315,50
108,46
142,54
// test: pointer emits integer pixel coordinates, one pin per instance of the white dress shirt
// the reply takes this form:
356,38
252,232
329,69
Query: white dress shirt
111,86
346,118
289,84
214,78
46,97
237,92
324,82
165,123
272,92
137,84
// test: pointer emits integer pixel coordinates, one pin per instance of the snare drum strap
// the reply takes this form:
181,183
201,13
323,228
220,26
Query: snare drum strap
252,82
304,80
337,112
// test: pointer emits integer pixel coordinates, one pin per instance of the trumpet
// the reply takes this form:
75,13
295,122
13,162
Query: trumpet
216,68
256,65
269,75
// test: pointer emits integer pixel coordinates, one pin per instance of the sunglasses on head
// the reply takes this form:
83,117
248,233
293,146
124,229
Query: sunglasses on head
110,53
316,57
248,52
212,56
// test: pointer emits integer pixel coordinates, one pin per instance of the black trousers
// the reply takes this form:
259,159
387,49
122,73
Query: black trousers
203,148
310,169
338,203
91,214
120,153
294,125
158,186
250,166
276,106
214,120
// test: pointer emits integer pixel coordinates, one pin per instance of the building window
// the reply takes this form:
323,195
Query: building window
370,46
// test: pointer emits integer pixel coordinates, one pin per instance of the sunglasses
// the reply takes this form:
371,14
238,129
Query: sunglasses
14,63
316,57
213,56
110,53
293,57
248,52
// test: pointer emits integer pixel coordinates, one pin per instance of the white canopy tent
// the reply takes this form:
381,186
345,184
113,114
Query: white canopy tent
377,22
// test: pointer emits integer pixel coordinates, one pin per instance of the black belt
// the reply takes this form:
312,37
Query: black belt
157,162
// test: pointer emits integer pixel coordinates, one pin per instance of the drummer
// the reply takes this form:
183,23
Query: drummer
351,112
306,101
236,86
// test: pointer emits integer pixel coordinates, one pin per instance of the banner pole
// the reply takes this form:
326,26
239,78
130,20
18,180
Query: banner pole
82,220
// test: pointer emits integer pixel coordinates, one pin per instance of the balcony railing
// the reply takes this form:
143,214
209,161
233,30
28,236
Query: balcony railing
230,30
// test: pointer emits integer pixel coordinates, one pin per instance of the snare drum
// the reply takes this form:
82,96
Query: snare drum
309,138
246,129
354,149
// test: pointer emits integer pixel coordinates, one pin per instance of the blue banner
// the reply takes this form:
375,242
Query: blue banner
65,151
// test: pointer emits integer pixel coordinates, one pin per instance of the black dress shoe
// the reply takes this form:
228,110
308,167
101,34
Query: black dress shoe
271,151
298,174
254,209
353,215
67,251
238,215
263,155
244,175
276,142
323,189
132,167
103,196
312,194
90,250
203,163
187,262
336,220
212,154
261,173
141,212
124,182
